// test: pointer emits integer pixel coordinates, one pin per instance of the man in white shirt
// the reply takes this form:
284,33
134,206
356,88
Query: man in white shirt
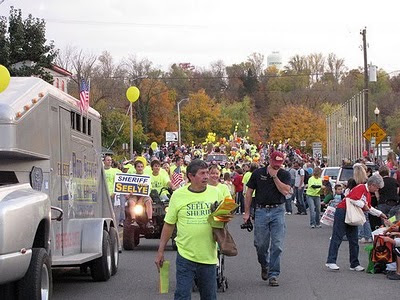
299,189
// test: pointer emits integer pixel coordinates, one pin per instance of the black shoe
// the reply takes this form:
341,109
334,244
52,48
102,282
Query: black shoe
393,276
298,213
273,281
304,214
150,225
264,273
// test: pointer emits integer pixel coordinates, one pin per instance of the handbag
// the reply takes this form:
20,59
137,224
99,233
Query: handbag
225,241
354,214
382,251
328,216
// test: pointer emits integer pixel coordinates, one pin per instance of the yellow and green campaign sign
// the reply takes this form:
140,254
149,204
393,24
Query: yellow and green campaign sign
132,184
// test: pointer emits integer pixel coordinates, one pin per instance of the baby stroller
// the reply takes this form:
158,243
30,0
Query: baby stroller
222,281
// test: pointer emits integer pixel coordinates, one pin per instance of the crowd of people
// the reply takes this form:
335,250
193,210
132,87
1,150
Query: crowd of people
265,180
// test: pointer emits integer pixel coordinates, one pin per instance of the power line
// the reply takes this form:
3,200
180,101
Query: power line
108,23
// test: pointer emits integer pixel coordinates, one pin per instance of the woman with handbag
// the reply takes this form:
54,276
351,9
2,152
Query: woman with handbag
345,223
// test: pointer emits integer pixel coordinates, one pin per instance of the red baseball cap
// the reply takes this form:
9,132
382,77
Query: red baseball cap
277,158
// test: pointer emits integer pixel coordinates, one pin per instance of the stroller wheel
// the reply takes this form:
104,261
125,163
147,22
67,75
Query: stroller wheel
224,285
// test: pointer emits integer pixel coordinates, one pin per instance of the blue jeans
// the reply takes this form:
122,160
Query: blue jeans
364,231
288,204
206,276
269,233
299,192
314,203
240,202
340,228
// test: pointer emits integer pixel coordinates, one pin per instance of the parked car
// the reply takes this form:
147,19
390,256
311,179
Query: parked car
332,172
220,159
346,172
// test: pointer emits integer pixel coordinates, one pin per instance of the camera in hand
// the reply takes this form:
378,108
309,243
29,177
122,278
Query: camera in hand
248,225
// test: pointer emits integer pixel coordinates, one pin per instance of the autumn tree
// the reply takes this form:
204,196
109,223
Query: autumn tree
156,109
299,124
201,115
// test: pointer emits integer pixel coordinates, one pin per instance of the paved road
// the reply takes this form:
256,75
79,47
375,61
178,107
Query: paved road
304,275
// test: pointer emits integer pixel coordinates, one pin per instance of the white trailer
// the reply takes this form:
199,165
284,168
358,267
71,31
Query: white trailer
54,203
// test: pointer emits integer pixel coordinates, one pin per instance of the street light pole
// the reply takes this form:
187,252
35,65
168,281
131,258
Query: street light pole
376,112
179,120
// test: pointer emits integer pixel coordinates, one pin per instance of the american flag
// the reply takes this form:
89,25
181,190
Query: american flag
177,179
84,96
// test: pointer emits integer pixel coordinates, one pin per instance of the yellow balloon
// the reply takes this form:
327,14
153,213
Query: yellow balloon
132,93
153,146
4,78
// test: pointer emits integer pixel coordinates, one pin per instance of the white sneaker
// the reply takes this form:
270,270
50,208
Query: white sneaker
357,269
362,240
332,266
289,213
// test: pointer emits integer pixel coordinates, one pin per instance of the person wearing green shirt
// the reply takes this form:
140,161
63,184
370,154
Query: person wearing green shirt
197,257
313,197
110,173
159,180
246,177
146,200
215,180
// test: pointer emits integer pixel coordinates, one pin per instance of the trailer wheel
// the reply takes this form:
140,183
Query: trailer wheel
101,267
115,250
37,283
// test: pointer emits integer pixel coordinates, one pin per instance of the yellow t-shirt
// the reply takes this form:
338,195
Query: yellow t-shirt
224,190
245,180
225,170
110,178
314,191
147,170
189,211
159,181
173,167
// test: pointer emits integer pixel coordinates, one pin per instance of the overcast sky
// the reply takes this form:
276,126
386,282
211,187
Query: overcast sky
203,31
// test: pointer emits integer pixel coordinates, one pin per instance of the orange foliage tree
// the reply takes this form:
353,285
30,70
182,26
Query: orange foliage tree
201,115
156,108
299,124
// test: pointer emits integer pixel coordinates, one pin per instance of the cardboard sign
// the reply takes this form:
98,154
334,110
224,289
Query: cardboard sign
132,184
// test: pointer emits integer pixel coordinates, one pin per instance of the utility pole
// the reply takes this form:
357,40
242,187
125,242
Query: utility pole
366,80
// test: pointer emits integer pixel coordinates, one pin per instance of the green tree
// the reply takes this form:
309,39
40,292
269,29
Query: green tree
26,41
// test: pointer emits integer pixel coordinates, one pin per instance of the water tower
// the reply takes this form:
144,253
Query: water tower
275,59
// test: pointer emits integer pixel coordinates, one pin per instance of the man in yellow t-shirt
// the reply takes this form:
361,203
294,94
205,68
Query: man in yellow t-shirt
159,180
197,252
146,200
110,173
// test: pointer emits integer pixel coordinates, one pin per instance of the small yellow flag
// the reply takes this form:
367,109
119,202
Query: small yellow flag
164,277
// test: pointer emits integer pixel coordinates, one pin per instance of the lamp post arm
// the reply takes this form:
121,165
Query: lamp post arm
179,120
